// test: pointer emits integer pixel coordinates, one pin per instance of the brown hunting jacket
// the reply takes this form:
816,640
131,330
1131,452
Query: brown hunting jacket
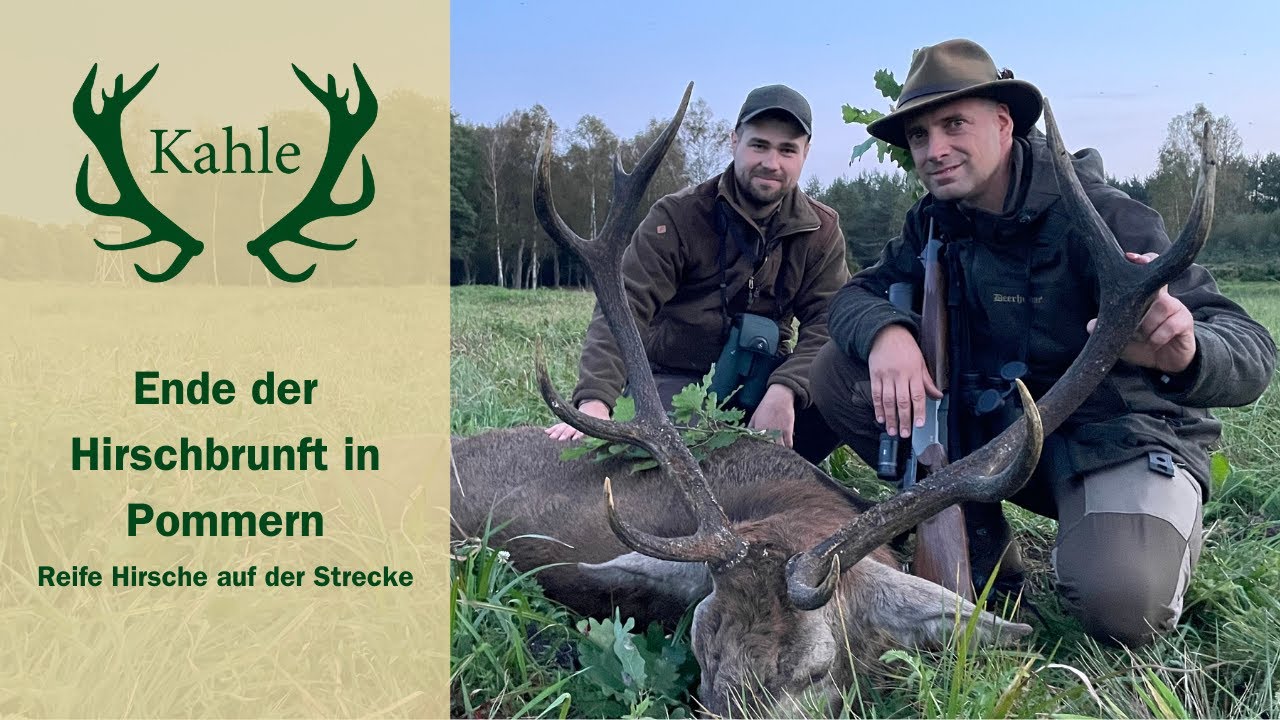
673,268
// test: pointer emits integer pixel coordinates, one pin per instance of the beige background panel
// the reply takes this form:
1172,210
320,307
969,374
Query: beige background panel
371,326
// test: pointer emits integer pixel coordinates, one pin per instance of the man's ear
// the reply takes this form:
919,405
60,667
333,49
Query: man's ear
1004,120
733,141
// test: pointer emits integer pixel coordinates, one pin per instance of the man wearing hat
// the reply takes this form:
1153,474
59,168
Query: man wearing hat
747,241
1125,476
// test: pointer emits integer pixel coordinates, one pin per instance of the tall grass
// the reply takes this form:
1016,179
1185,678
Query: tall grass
1222,661
508,642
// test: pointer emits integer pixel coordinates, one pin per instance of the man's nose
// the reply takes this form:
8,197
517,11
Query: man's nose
938,146
770,159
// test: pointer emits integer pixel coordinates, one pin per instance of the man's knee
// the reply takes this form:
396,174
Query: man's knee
1128,539
841,390
828,381
1124,575
840,385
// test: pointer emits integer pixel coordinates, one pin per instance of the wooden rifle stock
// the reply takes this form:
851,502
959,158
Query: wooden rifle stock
942,544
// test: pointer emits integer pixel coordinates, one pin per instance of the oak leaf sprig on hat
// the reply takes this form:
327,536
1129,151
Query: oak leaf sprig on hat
891,89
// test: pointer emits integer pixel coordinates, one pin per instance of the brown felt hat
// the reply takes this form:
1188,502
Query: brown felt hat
953,70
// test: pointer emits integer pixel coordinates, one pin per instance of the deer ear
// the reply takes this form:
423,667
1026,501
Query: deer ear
687,581
916,612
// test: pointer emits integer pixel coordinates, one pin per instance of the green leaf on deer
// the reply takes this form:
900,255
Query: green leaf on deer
720,440
687,403
575,452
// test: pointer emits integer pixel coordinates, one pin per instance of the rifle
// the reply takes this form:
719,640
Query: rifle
942,544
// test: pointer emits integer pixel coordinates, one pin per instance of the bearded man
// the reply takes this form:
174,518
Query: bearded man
748,243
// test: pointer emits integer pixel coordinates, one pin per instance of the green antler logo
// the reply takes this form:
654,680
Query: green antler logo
104,131
345,130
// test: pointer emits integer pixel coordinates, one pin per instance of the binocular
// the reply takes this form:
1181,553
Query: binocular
748,359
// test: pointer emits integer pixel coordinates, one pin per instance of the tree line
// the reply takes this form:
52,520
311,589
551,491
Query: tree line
495,238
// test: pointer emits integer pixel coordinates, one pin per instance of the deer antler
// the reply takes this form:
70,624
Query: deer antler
651,429
1126,293
104,131
345,131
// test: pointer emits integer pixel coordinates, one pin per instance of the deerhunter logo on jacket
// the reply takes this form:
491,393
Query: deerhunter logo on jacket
171,154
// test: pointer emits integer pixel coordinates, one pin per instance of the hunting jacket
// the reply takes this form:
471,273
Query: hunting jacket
1028,288
672,271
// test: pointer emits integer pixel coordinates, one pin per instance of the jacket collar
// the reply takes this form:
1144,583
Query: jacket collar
794,215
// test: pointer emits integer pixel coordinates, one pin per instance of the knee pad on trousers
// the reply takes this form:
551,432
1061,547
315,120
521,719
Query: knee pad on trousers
1123,576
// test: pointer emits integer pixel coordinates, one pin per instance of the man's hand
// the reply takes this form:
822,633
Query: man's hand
1165,339
899,380
776,411
565,431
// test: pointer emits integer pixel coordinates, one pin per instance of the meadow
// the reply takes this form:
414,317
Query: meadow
514,653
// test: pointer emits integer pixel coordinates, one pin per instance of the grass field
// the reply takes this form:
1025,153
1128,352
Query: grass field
515,653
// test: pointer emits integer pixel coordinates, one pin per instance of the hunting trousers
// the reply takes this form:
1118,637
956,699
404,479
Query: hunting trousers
1129,536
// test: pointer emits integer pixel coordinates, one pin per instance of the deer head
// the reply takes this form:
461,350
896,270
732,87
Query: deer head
794,610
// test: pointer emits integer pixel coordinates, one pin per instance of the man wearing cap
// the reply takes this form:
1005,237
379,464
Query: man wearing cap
746,241
1126,474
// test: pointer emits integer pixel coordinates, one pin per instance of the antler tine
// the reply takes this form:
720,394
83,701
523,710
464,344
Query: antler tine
1126,289
651,429
544,205
994,472
1196,230
603,257
710,545
595,427
366,92
82,104
621,212
1103,247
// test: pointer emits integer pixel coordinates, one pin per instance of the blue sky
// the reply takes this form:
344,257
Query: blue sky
1115,72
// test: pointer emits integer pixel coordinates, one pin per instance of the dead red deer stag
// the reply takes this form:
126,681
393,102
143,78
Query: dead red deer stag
794,589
